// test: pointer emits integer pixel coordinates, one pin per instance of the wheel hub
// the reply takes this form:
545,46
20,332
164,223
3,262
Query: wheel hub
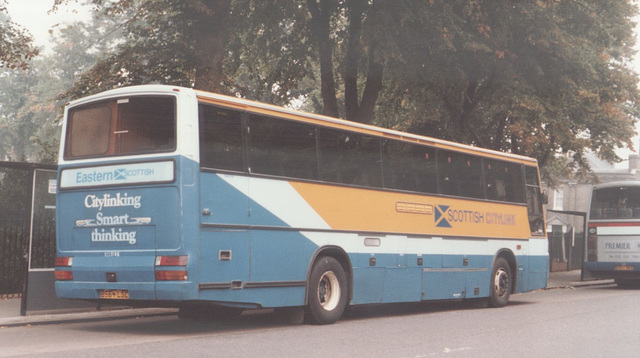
329,291
501,282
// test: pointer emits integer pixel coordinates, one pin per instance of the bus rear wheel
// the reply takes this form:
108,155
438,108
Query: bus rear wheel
327,293
501,283
627,283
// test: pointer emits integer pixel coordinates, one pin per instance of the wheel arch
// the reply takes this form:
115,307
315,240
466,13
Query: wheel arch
513,265
339,254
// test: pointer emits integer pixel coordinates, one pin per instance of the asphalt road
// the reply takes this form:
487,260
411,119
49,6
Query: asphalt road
598,321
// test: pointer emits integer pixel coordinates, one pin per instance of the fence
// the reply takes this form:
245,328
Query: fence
566,239
23,225
14,239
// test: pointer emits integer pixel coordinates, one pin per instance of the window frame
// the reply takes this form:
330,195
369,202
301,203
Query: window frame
113,131
379,159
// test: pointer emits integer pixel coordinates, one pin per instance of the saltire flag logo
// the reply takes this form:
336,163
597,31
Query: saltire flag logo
441,220
120,174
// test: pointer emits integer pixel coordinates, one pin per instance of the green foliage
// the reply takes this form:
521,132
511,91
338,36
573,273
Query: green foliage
163,41
14,193
146,45
16,47
269,57
532,77
32,100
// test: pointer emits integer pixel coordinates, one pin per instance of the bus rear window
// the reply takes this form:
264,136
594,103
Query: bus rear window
616,203
126,126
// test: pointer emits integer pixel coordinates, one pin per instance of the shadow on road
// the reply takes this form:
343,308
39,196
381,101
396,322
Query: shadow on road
268,318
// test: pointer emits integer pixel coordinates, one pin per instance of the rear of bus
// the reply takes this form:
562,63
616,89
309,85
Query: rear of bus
121,196
613,242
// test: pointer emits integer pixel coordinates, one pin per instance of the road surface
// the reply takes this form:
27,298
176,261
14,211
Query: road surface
599,321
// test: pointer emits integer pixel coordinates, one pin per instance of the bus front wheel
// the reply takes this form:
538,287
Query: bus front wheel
501,283
327,294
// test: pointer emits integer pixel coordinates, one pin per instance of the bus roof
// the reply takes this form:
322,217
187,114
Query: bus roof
268,109
616,184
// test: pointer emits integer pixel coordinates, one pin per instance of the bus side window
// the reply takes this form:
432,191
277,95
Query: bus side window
220,138
460,174
503,181
283,148
349,158
408,166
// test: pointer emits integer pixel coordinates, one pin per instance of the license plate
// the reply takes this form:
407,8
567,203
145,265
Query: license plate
624,268
114,294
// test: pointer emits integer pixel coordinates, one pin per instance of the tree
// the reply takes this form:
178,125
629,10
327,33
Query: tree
359,46
537,78
32,100
16,47
16,124
164,41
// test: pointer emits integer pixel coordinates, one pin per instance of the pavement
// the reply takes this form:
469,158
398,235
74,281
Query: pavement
10,307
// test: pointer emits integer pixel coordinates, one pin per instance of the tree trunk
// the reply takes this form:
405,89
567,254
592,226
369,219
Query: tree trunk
320,25
211,36
361,110
354,33
372,89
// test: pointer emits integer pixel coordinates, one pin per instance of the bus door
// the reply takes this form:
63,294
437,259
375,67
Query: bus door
225,237
224,199
442,277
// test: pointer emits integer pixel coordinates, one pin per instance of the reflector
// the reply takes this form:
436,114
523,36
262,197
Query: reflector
64,275
171,275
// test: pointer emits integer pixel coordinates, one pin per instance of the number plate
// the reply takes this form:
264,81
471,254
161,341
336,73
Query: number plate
114,294
624,268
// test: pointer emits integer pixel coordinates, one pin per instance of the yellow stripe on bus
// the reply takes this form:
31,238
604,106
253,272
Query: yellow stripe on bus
354,209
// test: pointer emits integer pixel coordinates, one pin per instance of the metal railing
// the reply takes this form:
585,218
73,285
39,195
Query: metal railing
16,195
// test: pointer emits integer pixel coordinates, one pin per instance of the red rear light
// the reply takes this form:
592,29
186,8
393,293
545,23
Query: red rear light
592,245
172,275
172,260
64,261
64,275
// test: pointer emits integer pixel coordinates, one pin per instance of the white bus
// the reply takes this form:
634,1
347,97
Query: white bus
613,241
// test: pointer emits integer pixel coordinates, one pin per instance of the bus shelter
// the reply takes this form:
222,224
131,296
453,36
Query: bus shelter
28,236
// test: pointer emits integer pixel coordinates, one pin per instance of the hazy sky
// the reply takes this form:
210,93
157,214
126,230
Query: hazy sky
34,16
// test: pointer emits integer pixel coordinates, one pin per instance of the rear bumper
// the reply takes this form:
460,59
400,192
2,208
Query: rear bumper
138,291
608,270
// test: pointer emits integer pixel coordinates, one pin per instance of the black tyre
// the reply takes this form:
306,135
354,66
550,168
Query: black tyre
627,283
501,283
189,312
327,292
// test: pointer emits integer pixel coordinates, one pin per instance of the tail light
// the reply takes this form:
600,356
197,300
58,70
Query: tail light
63,268
592,244
172,260
173,268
